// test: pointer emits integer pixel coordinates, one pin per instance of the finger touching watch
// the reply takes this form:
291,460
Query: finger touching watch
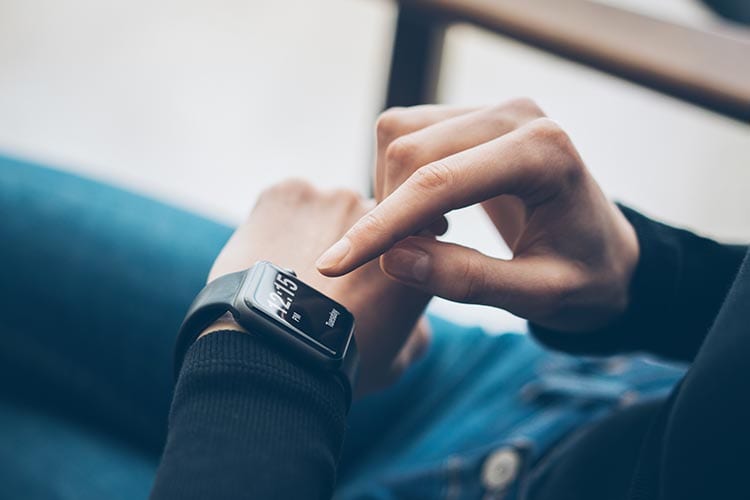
276,305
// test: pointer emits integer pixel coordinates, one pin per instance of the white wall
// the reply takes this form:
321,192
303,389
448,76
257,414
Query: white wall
203,103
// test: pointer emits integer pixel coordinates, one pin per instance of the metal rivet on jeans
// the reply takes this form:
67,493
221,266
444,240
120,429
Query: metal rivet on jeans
500,468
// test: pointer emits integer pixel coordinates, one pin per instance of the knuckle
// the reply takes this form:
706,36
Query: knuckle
563,159
546,130
401,153
436,176
551,134
293,188
525,106
346,197
514,113
389,124
472,284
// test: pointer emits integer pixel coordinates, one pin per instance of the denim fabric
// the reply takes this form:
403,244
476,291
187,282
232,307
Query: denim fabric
94,283
475,395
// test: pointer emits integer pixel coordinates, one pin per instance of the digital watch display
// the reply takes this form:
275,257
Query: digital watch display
317,319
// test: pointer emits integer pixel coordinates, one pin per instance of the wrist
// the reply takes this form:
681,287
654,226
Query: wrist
224,323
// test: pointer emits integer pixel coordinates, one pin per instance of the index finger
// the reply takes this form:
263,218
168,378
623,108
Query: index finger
509,164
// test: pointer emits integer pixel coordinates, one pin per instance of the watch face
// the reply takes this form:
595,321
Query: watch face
286,299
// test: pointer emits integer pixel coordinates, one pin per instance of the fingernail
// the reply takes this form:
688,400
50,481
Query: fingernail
409,264
334,255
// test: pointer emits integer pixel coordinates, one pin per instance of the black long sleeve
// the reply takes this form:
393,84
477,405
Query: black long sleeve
246,422
677,289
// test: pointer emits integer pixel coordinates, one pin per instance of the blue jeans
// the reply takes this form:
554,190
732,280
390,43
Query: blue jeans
94,284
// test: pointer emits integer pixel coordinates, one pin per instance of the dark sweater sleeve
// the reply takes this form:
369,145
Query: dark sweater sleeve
676,291
246,422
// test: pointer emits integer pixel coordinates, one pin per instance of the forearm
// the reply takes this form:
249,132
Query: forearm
246,422
677,289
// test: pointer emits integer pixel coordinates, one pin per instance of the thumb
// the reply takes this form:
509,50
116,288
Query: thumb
463,274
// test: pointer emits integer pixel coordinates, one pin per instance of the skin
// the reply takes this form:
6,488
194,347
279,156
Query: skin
574,253
290,225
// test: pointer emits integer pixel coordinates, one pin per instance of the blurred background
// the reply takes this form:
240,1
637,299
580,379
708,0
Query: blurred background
204,103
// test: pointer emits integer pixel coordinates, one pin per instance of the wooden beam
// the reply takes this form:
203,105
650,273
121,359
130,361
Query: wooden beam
707,68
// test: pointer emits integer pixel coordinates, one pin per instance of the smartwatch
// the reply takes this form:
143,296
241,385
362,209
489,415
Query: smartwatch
274,304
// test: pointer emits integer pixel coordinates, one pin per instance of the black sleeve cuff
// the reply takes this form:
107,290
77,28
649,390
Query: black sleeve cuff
246,422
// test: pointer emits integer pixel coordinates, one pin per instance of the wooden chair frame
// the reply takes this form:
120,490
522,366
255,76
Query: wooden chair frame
710,69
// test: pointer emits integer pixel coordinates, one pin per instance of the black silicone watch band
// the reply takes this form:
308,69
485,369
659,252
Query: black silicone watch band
210,304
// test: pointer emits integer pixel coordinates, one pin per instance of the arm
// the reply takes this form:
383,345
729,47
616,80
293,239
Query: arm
677,289
248,423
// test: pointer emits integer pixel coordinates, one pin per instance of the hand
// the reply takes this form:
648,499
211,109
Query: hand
573,251
291,224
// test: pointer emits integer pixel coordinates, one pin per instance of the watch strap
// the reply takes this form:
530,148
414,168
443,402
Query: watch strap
210,304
